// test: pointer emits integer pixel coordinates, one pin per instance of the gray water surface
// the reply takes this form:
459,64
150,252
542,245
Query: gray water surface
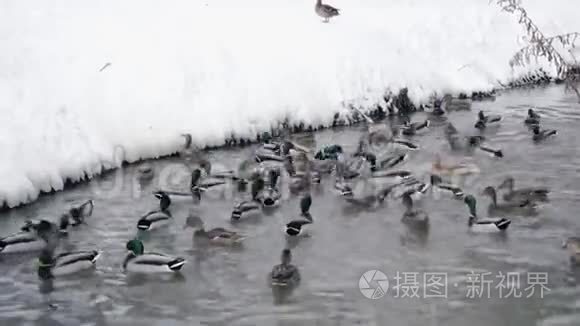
227,286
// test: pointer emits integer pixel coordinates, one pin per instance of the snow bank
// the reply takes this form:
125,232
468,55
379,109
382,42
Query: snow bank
217,67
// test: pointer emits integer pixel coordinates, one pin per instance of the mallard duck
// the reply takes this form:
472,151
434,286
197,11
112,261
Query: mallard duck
137,261
483,225
572,244
249,207
325,11
270,196
285,274
197,187
399,176
297,227
219,236
158,218
66,263
463,168
533,118
413,217
523,194
540,135
483,121
330,152
410,129
23,241
79,213
438,185
524,207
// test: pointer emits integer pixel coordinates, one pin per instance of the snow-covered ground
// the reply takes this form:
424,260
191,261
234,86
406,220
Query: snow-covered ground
217,67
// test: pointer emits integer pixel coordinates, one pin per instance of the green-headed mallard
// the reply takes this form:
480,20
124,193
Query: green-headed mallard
285,274
325,11
297,227
413,217
219,236
523,194
542,134
50,265
249,207
525,207
138,261
157,218
483,225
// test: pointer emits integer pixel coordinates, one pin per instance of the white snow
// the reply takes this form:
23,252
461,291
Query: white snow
217,67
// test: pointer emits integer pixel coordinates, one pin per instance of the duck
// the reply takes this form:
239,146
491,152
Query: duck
325,11
65,263
330,152
486,120
413,217
415,189
533,118
525,207
197,187
484,225
392,161
410,129
438,185
270,195
285,274
542,134
20,242
138,261
371,199
79,213
539,194
297,227
218,236
249,207
572,244
157,218
462,169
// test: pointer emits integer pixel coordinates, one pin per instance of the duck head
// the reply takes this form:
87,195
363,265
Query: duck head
471,204
135,246
286,257
481,116
435,179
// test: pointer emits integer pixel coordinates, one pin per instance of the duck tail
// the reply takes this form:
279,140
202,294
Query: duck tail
503,224
176,264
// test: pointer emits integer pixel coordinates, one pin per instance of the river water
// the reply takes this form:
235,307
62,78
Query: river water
227,286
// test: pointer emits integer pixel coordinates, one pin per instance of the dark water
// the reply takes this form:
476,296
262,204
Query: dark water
227,286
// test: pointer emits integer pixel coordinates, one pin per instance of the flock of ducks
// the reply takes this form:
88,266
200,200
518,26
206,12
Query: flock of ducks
374,165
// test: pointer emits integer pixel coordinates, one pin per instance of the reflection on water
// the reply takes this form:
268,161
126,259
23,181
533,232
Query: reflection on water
221,285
